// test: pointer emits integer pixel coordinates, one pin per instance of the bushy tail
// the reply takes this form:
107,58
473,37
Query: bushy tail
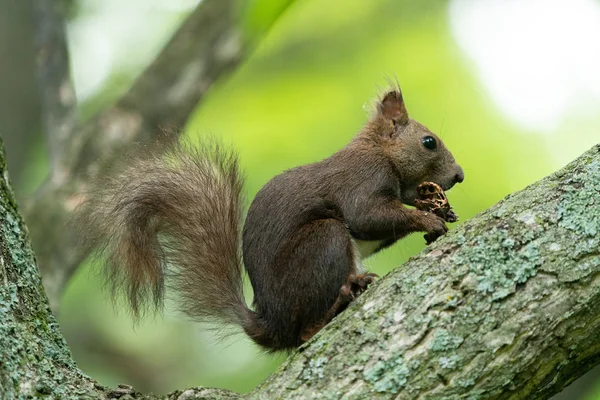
172,217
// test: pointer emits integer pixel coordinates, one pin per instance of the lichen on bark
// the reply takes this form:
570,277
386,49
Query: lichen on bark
35,359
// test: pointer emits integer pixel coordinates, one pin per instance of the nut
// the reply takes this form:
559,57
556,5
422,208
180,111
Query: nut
431,198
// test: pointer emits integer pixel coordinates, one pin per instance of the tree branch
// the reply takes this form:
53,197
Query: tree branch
207,46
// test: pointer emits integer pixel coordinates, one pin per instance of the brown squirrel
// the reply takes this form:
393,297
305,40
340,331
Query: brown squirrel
174,218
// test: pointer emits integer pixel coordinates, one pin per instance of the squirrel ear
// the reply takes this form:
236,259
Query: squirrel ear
392,107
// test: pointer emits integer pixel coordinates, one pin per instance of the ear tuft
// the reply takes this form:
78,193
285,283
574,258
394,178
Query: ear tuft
392,107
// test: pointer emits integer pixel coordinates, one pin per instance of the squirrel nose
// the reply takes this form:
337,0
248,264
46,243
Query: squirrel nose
460,176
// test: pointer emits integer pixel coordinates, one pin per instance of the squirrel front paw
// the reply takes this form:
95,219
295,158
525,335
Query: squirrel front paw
434,226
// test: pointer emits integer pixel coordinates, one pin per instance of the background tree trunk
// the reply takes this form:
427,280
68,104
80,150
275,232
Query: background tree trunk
20,105
503,307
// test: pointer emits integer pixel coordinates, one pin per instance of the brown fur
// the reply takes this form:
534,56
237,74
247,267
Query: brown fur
176,219
175,214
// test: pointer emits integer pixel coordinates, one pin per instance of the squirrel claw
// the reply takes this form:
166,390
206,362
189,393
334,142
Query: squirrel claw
430,238
347,293
451,216
356,285
359,283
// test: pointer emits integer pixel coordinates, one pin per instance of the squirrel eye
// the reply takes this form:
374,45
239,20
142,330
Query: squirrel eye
429,142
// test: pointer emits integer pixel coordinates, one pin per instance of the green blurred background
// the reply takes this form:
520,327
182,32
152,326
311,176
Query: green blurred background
511,87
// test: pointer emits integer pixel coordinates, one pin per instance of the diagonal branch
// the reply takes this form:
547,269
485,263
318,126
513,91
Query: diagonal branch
207,46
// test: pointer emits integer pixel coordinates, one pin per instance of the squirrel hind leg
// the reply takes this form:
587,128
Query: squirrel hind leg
354,286
298,293
323,250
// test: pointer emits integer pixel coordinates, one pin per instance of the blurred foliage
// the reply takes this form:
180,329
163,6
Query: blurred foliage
301,96
260,15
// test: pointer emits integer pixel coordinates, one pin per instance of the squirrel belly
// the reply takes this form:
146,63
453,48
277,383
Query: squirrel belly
174,219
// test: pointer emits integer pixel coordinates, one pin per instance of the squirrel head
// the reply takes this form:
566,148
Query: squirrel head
417,154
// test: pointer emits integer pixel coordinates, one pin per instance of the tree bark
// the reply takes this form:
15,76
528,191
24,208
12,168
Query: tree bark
34,357
503,307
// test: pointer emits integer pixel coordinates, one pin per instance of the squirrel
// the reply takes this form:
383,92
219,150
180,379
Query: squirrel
174,219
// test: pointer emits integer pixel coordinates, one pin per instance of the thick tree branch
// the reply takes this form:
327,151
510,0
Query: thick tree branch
503,307
207,46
